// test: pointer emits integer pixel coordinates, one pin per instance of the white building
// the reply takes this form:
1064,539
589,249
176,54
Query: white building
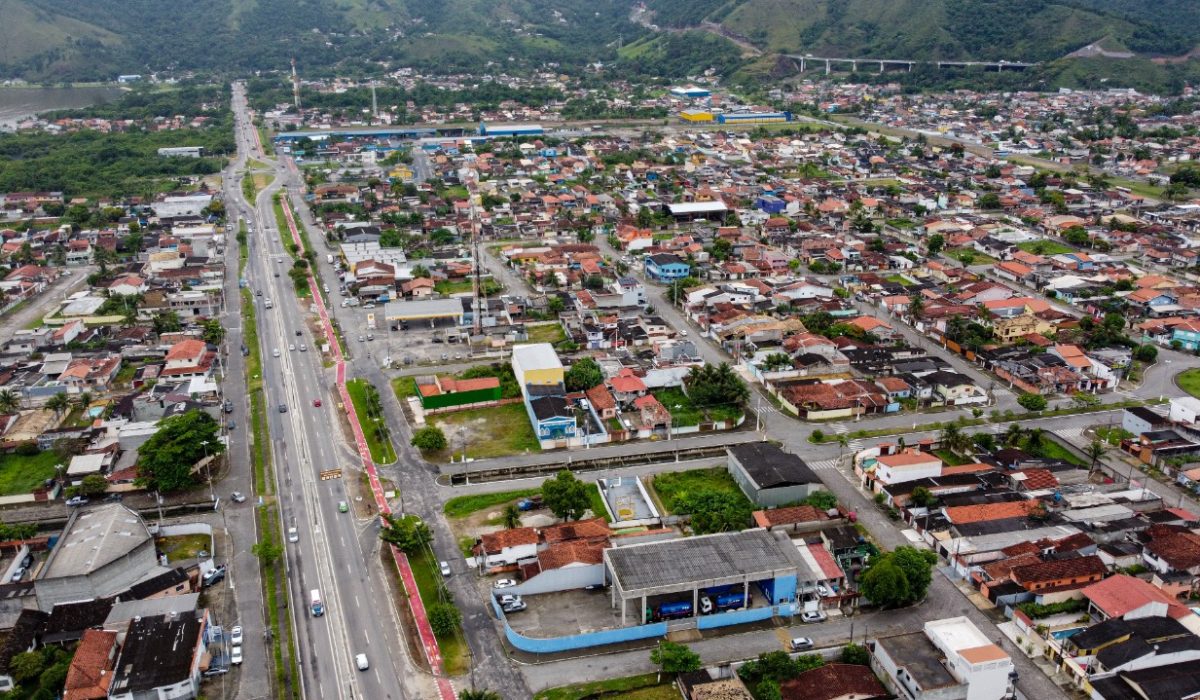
950,660
1184,409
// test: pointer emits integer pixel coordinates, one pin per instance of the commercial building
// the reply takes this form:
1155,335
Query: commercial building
754,118
510,129
949,660
424,310
182,151
675,571
769,476
536,364
667,267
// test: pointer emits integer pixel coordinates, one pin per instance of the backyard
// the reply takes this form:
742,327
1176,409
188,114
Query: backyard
544,333
673,487
685,413
462,506
1045,247
969,256
482,433
21,474
181,547
647,686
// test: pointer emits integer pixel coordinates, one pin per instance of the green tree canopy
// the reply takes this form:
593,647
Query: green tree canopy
444,619
165,461
672,657
408,532
429,439
1032,402
885,585
566,496
716,385
583,374
715,511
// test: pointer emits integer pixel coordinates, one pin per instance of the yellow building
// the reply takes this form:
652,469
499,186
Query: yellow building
697,116
536,364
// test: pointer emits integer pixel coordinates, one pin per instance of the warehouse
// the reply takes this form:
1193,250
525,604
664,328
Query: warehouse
687,211
754,118
697,116
771,477
679,569
510,129
424,310
690,93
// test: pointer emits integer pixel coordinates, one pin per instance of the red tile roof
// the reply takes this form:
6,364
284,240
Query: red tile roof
834,681
1065,570
788,516
502,539
960,515
91,671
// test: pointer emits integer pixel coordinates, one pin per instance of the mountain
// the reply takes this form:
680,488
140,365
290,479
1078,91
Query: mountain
1015,30
96,39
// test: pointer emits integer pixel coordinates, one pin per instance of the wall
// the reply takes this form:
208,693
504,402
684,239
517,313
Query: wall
182,529
739,617
564,579
578,641
460,398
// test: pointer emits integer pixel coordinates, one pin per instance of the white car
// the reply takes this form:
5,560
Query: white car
444,567
275,352
360,660
824,591
802,644
291,347
504,583
813,616
293,535
235,636
235,657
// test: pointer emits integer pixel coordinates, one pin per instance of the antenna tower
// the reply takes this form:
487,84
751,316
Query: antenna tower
295,86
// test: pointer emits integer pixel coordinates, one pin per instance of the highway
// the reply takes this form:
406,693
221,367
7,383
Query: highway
337,553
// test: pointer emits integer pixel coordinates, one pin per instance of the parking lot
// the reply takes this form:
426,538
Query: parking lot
560,614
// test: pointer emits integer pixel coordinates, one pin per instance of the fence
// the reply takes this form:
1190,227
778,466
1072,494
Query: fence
584,640
741,617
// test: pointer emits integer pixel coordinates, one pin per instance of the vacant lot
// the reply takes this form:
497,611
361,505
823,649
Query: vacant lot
644,687
462,506
546,333
498,431
181,547
20,474
1189,381
379,442
1045,247
673,487
455,655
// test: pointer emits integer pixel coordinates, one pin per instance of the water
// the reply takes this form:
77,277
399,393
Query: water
19,103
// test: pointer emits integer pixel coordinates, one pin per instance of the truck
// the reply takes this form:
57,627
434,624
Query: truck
732,600
370,322
315,604
670,611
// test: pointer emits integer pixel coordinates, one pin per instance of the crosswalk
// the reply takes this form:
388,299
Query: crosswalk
824,465
1072,435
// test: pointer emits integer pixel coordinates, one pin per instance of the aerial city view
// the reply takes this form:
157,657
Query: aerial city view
618,349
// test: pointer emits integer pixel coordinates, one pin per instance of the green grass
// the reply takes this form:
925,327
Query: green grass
254,164
462,506
672,487
647,686
1189,381
382,451
597,502
1045,247
265,137
20,474
949,457
179,547
499,431
546,333
404,388
899,279
455,655
683,412
974,256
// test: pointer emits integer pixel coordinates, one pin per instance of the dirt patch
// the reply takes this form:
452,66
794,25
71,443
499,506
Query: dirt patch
32,424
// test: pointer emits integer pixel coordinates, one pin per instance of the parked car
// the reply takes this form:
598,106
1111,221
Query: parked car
235,635
513,607
801,644
238,497
235,657
444,567
18,574
228,406
813,616
75,501
509,599
283,408
504,583
213,576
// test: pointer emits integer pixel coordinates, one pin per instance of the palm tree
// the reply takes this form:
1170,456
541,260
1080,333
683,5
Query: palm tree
1013,435
1095,451
58,403
481,694
512,516
83,400
10,400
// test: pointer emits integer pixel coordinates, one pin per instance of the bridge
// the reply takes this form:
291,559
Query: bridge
807,60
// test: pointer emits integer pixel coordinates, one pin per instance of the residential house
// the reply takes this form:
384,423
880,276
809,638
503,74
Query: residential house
666,267
769,476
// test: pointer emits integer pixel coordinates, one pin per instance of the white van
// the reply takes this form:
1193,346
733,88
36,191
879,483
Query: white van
315,604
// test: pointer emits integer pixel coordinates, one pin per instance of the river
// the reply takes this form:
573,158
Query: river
17,103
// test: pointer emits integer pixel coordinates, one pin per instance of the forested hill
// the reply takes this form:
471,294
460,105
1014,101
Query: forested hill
1029,30
97,39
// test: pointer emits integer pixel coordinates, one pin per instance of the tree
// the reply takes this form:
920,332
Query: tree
672,657
566,496
990,200
715,511
1094,451
213,332
555,304
58,403
267,552
885,585
916,306
409,533
856,654
444,619
1076,235
10,401
167,322
935,244
922,497
584,374
481,694
165,461
1032,402
429,439
83,400
93,485
679,287
512,516
26,666
715,385
1146,353
955,440
917,565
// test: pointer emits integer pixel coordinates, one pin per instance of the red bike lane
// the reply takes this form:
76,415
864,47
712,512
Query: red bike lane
416,605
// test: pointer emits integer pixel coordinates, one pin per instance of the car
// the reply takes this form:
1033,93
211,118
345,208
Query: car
342,507
228,406
303,347
683,333
361,339
235,635
824,591
813,616
504,583
513,607
74,501
445,356
801,644
238,497
297,332
509,599
291,347
275,352
258,293
230,425
370,336
444,567
276,274
213,576
458,356
283,408
316,403
360,660
235,657
293,535
18,574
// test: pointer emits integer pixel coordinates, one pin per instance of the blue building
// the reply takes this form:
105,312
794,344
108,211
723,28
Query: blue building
666,267
1188,335
552,417
770,204
754,118
486,129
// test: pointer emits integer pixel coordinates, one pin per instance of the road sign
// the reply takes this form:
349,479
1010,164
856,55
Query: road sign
331,474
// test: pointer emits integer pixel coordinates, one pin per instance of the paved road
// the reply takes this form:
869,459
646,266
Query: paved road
419,492
337,553
72,281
